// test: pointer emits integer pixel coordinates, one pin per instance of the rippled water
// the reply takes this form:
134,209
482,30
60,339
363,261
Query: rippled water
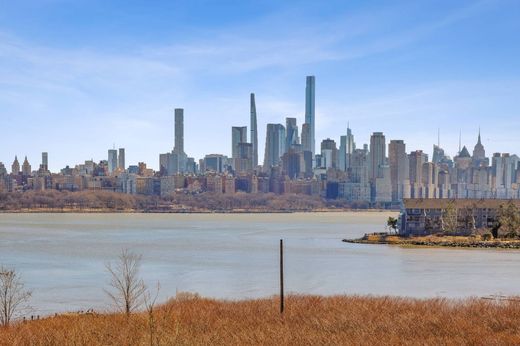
62,257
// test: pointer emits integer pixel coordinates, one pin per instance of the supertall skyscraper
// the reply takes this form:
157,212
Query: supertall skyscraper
254,131
310,116
179,131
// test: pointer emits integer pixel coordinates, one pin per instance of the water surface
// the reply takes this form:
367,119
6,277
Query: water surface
62,257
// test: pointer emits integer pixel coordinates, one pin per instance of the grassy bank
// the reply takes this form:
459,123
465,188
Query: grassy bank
433,240
308,320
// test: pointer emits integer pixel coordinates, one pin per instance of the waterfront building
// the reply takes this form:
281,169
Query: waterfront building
465,216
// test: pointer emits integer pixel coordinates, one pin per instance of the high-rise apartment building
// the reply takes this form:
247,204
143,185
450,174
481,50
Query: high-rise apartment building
112,161
15,167
291,129
399,169
346,148
329,153
238,135
26,168
274,145
179,131
416,160
121,164
377,155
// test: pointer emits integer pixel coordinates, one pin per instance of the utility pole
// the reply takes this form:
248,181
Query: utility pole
281,277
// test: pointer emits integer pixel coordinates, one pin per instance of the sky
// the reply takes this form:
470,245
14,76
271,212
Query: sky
78,77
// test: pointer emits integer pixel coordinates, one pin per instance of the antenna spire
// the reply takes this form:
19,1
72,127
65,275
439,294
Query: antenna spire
460,140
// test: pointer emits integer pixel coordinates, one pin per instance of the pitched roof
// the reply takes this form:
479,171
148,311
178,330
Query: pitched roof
464,152
436,203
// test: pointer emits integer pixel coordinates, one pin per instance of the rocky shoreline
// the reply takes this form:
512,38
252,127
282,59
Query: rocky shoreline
436,241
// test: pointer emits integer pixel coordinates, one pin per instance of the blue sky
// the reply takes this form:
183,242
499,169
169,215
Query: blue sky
78,76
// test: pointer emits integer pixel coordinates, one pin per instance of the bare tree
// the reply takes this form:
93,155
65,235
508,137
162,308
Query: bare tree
127,289
149,303
13,296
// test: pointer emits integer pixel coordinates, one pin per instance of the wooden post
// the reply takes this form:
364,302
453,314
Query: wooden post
281,277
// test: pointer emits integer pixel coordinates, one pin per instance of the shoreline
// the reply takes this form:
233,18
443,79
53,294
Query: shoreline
187,211
435,241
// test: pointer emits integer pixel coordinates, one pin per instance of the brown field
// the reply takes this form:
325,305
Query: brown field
308,320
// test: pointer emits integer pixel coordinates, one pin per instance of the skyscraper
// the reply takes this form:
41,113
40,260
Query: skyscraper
346,148
15,167
399,169
121,159
377,155
310,109
26,168
274,145
254,132
351,146
416,160
291,133
479,153
112,160
179,131
45,162
238,135
329,153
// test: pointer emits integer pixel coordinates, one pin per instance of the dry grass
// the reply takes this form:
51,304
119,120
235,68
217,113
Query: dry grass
308,320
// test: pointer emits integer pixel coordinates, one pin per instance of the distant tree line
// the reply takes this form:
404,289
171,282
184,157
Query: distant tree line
113,201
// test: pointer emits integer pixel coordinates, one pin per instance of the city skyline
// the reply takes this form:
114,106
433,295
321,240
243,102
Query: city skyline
178,129
116,72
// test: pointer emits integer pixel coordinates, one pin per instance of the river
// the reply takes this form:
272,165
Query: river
62,257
